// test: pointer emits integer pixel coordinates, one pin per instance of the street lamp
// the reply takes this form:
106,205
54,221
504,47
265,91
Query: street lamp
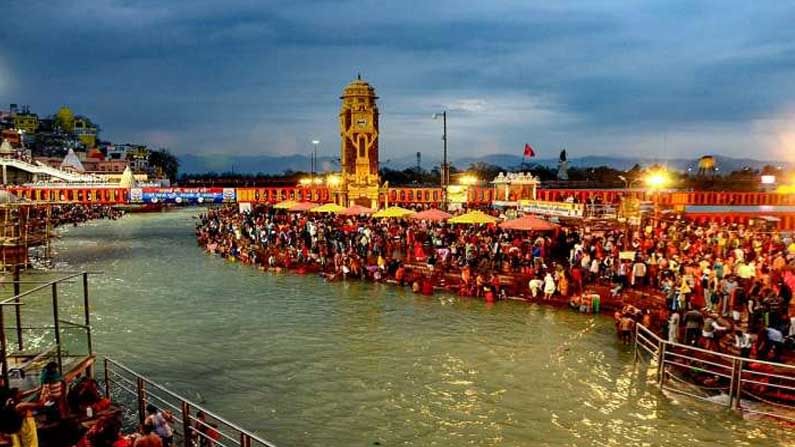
315,143
655,181
333,180
445,179
468,180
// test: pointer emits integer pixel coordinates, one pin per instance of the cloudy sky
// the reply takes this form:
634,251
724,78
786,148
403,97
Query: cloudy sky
672,77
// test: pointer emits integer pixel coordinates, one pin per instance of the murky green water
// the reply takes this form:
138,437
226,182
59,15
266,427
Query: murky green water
306,363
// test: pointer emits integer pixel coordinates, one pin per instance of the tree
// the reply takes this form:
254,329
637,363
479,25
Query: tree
65,119
164,160
485,171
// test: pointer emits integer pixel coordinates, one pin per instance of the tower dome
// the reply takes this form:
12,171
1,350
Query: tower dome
358,88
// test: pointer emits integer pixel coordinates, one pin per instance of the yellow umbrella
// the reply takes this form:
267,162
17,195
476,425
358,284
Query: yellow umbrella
303,206
286,205
473,217
327,208
393,211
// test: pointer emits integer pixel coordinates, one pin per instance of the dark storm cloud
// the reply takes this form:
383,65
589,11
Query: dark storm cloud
251,76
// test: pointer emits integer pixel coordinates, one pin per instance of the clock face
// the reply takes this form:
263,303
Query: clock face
361,122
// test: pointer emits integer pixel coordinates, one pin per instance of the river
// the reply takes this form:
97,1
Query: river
308,363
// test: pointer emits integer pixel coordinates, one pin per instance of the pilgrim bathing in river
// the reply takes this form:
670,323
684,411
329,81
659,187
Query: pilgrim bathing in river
711,283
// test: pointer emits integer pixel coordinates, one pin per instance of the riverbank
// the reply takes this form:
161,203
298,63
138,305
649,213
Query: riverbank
488,263
352,363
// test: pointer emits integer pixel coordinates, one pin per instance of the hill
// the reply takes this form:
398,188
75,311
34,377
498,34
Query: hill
276,164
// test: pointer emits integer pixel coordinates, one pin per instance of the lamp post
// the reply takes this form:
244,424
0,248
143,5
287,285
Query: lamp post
444,173
655,181
315,143
627,189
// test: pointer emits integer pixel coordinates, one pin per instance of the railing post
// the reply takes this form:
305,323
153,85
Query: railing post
18,311
140,388
661,363
57,326
186,425
245,441
3,356
87,314
732,383
107,379
635,343
739,385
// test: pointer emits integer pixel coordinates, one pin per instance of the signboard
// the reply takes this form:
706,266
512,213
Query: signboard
456,194
185,196
561,209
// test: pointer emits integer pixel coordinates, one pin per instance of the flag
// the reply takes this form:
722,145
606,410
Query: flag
528,151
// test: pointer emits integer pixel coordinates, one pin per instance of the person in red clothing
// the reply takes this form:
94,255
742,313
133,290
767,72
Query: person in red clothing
106,432
427,286
576,280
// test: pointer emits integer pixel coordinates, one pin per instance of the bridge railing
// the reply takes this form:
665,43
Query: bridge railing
127,386
748,385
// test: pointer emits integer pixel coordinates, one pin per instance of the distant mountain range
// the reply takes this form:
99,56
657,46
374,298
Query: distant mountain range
275,164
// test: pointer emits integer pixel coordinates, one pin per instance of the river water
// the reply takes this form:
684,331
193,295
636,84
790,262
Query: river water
308,363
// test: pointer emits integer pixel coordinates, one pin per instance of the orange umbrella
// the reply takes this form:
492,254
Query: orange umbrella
528,223
356,210
431,214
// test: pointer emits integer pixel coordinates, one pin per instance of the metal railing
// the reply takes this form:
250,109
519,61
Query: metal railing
124,384
748,385
51,335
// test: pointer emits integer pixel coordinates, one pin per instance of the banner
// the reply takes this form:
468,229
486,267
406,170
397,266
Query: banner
184,196
561,209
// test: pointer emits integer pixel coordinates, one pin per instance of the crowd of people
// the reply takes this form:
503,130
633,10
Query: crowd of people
73,214
57,400
721,287
67,404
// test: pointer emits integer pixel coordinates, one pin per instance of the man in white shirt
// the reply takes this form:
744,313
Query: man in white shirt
639,273
742,341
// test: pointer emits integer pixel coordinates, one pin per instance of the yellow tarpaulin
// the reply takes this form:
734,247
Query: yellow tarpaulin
473,217
327,208
286,205
393,211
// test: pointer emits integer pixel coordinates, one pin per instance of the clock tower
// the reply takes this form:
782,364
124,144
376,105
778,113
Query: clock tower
358,119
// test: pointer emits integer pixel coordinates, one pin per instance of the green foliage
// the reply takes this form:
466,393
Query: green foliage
484,171
166,162
65,119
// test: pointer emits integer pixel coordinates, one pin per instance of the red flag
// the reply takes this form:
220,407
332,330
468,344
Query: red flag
528,151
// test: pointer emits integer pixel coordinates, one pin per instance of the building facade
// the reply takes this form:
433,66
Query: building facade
27,122
85,132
